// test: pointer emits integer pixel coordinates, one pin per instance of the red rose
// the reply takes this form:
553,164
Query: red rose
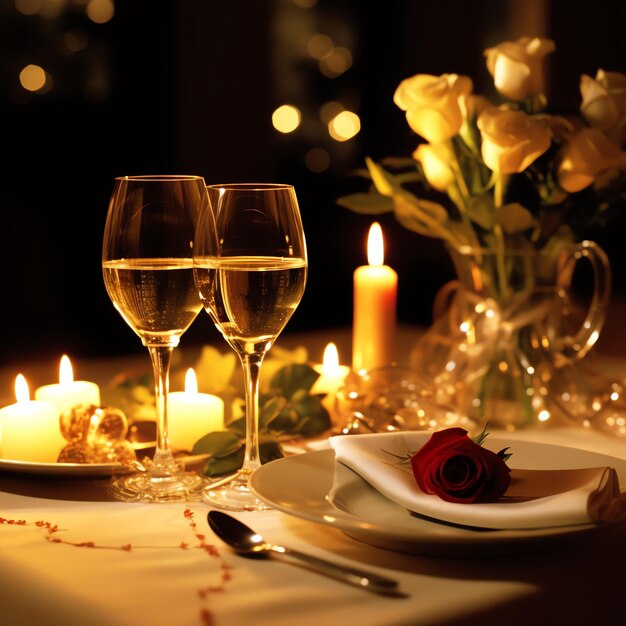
451,465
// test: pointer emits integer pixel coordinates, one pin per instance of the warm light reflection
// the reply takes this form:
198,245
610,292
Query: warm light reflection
375,245
33,77
28,7
329,110
22,394
75,39
191,381
319,46
305,4
344,126
100,11
317,160
286,118
336,63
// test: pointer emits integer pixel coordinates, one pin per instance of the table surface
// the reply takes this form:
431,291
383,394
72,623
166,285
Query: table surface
110,563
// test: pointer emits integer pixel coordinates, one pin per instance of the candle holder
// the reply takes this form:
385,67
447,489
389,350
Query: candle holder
392,398
95,435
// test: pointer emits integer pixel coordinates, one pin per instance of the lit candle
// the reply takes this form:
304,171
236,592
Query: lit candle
191,415
331,373
30,429
332,376
69,392
375,295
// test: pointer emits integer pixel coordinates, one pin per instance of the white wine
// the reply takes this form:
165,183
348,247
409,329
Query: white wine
250,298
157,297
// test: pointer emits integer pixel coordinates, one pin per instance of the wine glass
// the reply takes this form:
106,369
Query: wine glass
250,266
147,268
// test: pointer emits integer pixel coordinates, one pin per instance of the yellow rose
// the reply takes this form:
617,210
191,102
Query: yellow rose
511,140
586,154
432,104
517,66
604,103
435,160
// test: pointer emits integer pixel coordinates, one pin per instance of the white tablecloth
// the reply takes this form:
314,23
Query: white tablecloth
157,581
580,580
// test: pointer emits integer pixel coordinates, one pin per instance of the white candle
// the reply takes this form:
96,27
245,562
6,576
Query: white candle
30,429
331,373
191,415
69,393
332,376
375,296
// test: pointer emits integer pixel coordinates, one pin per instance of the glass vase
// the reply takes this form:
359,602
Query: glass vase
509,344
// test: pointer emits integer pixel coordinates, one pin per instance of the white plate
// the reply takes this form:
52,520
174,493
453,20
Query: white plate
79,470
315,487
63,469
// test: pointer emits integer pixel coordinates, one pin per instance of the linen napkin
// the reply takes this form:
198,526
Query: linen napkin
535,498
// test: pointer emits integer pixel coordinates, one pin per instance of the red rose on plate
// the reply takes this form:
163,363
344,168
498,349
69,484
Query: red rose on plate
454,467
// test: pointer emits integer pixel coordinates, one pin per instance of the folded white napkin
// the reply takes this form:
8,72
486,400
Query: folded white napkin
534,499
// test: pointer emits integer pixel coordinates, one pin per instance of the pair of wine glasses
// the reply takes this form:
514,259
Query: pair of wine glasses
173,245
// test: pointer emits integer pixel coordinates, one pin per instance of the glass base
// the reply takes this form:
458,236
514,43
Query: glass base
233,494
159,483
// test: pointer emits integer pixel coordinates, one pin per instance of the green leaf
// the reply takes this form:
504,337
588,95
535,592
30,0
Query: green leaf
217,444
306,415
481,211
291,378
514,218
269,449
481,436
371,203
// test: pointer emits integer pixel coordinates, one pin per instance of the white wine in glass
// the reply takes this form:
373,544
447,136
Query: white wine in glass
147,267
250,266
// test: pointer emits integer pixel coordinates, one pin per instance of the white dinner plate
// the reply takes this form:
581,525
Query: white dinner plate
80,470
315,487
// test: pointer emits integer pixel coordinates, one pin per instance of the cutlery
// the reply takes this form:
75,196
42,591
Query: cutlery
247,542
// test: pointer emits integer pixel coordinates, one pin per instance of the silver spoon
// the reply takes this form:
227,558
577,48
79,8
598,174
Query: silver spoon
248,543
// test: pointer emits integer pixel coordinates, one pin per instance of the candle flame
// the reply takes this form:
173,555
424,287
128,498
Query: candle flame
330,364
191,381
375,245
22,394
66,374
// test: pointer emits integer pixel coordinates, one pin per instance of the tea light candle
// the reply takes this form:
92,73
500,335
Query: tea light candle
30,429
191,415
375,296
69,393
332,376
331,373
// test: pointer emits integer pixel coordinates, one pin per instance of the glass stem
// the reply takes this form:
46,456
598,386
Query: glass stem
251,370
161,356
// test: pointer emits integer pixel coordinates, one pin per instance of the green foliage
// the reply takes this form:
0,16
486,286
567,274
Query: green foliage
286,411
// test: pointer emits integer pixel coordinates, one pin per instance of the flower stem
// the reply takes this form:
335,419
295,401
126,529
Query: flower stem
498,197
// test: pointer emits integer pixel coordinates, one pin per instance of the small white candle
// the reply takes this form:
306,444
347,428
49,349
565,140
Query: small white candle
332,376
191,415
69,393
331,373
375,296
30,429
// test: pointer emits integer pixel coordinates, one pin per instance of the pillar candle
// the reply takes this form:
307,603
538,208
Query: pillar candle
30,429
69,393
191,415
375,296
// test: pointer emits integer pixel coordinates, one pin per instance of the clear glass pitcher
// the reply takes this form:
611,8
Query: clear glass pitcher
508,340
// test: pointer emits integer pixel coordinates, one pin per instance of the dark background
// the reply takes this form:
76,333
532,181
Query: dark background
189,87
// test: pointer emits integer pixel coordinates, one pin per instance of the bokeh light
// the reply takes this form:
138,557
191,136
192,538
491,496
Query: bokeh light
100,11
344,126
33,78
286,118
317,160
